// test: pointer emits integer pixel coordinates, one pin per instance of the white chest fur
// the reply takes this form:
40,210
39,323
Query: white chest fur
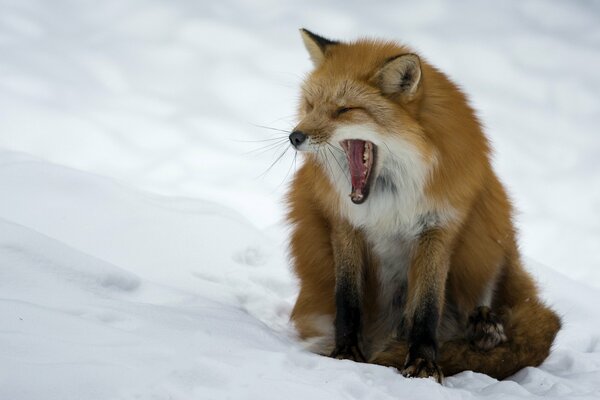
396,202
392,217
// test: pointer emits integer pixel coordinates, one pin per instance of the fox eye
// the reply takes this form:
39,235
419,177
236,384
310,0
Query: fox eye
343,110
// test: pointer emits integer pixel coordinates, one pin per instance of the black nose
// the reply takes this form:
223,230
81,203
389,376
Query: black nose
297,138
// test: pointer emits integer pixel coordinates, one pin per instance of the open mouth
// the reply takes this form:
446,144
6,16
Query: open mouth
361,158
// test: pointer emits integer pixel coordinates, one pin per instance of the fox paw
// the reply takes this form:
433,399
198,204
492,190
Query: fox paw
348,352
422,368
485,329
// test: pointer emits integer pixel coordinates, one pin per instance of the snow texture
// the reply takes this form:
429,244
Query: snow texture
142,249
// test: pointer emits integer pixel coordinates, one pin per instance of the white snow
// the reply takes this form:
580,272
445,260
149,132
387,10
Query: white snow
142,250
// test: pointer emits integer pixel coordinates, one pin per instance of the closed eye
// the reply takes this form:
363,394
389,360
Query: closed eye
343,110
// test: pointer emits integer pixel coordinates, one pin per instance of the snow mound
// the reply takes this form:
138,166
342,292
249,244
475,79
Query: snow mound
109,292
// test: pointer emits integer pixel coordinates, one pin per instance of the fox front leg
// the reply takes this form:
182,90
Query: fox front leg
348,251
426,288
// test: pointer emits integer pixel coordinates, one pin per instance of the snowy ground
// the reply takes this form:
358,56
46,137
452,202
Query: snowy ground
110,291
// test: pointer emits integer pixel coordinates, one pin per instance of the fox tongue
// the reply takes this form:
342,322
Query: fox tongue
358,168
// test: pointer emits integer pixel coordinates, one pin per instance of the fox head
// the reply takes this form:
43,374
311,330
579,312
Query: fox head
359,116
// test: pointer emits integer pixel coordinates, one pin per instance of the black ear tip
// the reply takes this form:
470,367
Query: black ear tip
320,40
309,33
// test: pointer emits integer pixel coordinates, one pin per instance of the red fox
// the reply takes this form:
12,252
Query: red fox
402,235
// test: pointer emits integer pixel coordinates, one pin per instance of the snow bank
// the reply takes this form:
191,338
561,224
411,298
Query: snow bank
109,292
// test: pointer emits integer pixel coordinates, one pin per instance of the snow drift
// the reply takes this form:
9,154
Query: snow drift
109,292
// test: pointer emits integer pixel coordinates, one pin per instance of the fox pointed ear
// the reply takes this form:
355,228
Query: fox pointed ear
401,75
316,45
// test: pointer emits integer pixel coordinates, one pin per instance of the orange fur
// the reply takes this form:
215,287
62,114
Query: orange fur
454,219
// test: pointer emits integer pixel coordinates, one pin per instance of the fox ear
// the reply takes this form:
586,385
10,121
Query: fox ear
316,45
401,75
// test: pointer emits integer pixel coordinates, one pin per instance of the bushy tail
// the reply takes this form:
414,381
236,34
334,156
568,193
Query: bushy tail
531,328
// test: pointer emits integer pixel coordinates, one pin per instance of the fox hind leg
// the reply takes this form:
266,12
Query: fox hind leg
485,329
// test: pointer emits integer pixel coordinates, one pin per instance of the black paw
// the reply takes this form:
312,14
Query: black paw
485,329
422,368
348,352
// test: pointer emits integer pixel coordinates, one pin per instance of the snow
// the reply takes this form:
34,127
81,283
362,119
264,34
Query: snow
110,292
142,250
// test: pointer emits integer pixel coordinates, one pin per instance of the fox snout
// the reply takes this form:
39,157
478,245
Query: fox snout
297,138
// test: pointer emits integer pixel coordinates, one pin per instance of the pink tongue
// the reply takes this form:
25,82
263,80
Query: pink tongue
356,150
